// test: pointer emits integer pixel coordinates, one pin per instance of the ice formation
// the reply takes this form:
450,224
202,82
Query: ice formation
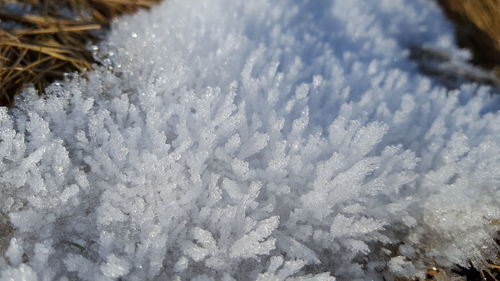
252,140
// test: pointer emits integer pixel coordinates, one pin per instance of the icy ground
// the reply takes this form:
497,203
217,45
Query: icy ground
253,140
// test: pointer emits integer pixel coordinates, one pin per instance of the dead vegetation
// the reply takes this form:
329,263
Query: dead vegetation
477,26
41,40
6,231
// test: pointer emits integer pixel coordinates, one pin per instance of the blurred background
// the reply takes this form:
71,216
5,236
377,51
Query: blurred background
43,40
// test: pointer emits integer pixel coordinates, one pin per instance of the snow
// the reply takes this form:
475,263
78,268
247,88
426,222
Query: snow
253,140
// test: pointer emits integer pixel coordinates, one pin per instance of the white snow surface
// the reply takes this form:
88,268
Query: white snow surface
253,140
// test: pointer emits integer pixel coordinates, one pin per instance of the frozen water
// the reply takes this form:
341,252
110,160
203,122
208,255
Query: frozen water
253,140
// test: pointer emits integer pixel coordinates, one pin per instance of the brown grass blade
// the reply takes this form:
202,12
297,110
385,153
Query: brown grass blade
57,29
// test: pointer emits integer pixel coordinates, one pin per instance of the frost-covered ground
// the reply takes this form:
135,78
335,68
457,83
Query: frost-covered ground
253,140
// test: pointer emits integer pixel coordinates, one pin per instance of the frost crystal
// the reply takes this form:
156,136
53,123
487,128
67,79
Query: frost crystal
252,140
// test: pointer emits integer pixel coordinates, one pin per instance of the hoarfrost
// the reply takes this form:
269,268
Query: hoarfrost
253,140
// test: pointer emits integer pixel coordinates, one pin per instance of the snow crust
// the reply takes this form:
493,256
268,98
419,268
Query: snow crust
253,140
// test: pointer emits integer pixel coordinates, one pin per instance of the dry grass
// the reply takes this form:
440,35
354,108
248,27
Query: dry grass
45,44
6,231
477,28
477,25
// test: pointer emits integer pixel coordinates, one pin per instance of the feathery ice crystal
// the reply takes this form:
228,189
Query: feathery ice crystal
252,140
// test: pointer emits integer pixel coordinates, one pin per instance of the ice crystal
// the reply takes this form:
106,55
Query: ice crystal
252,140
